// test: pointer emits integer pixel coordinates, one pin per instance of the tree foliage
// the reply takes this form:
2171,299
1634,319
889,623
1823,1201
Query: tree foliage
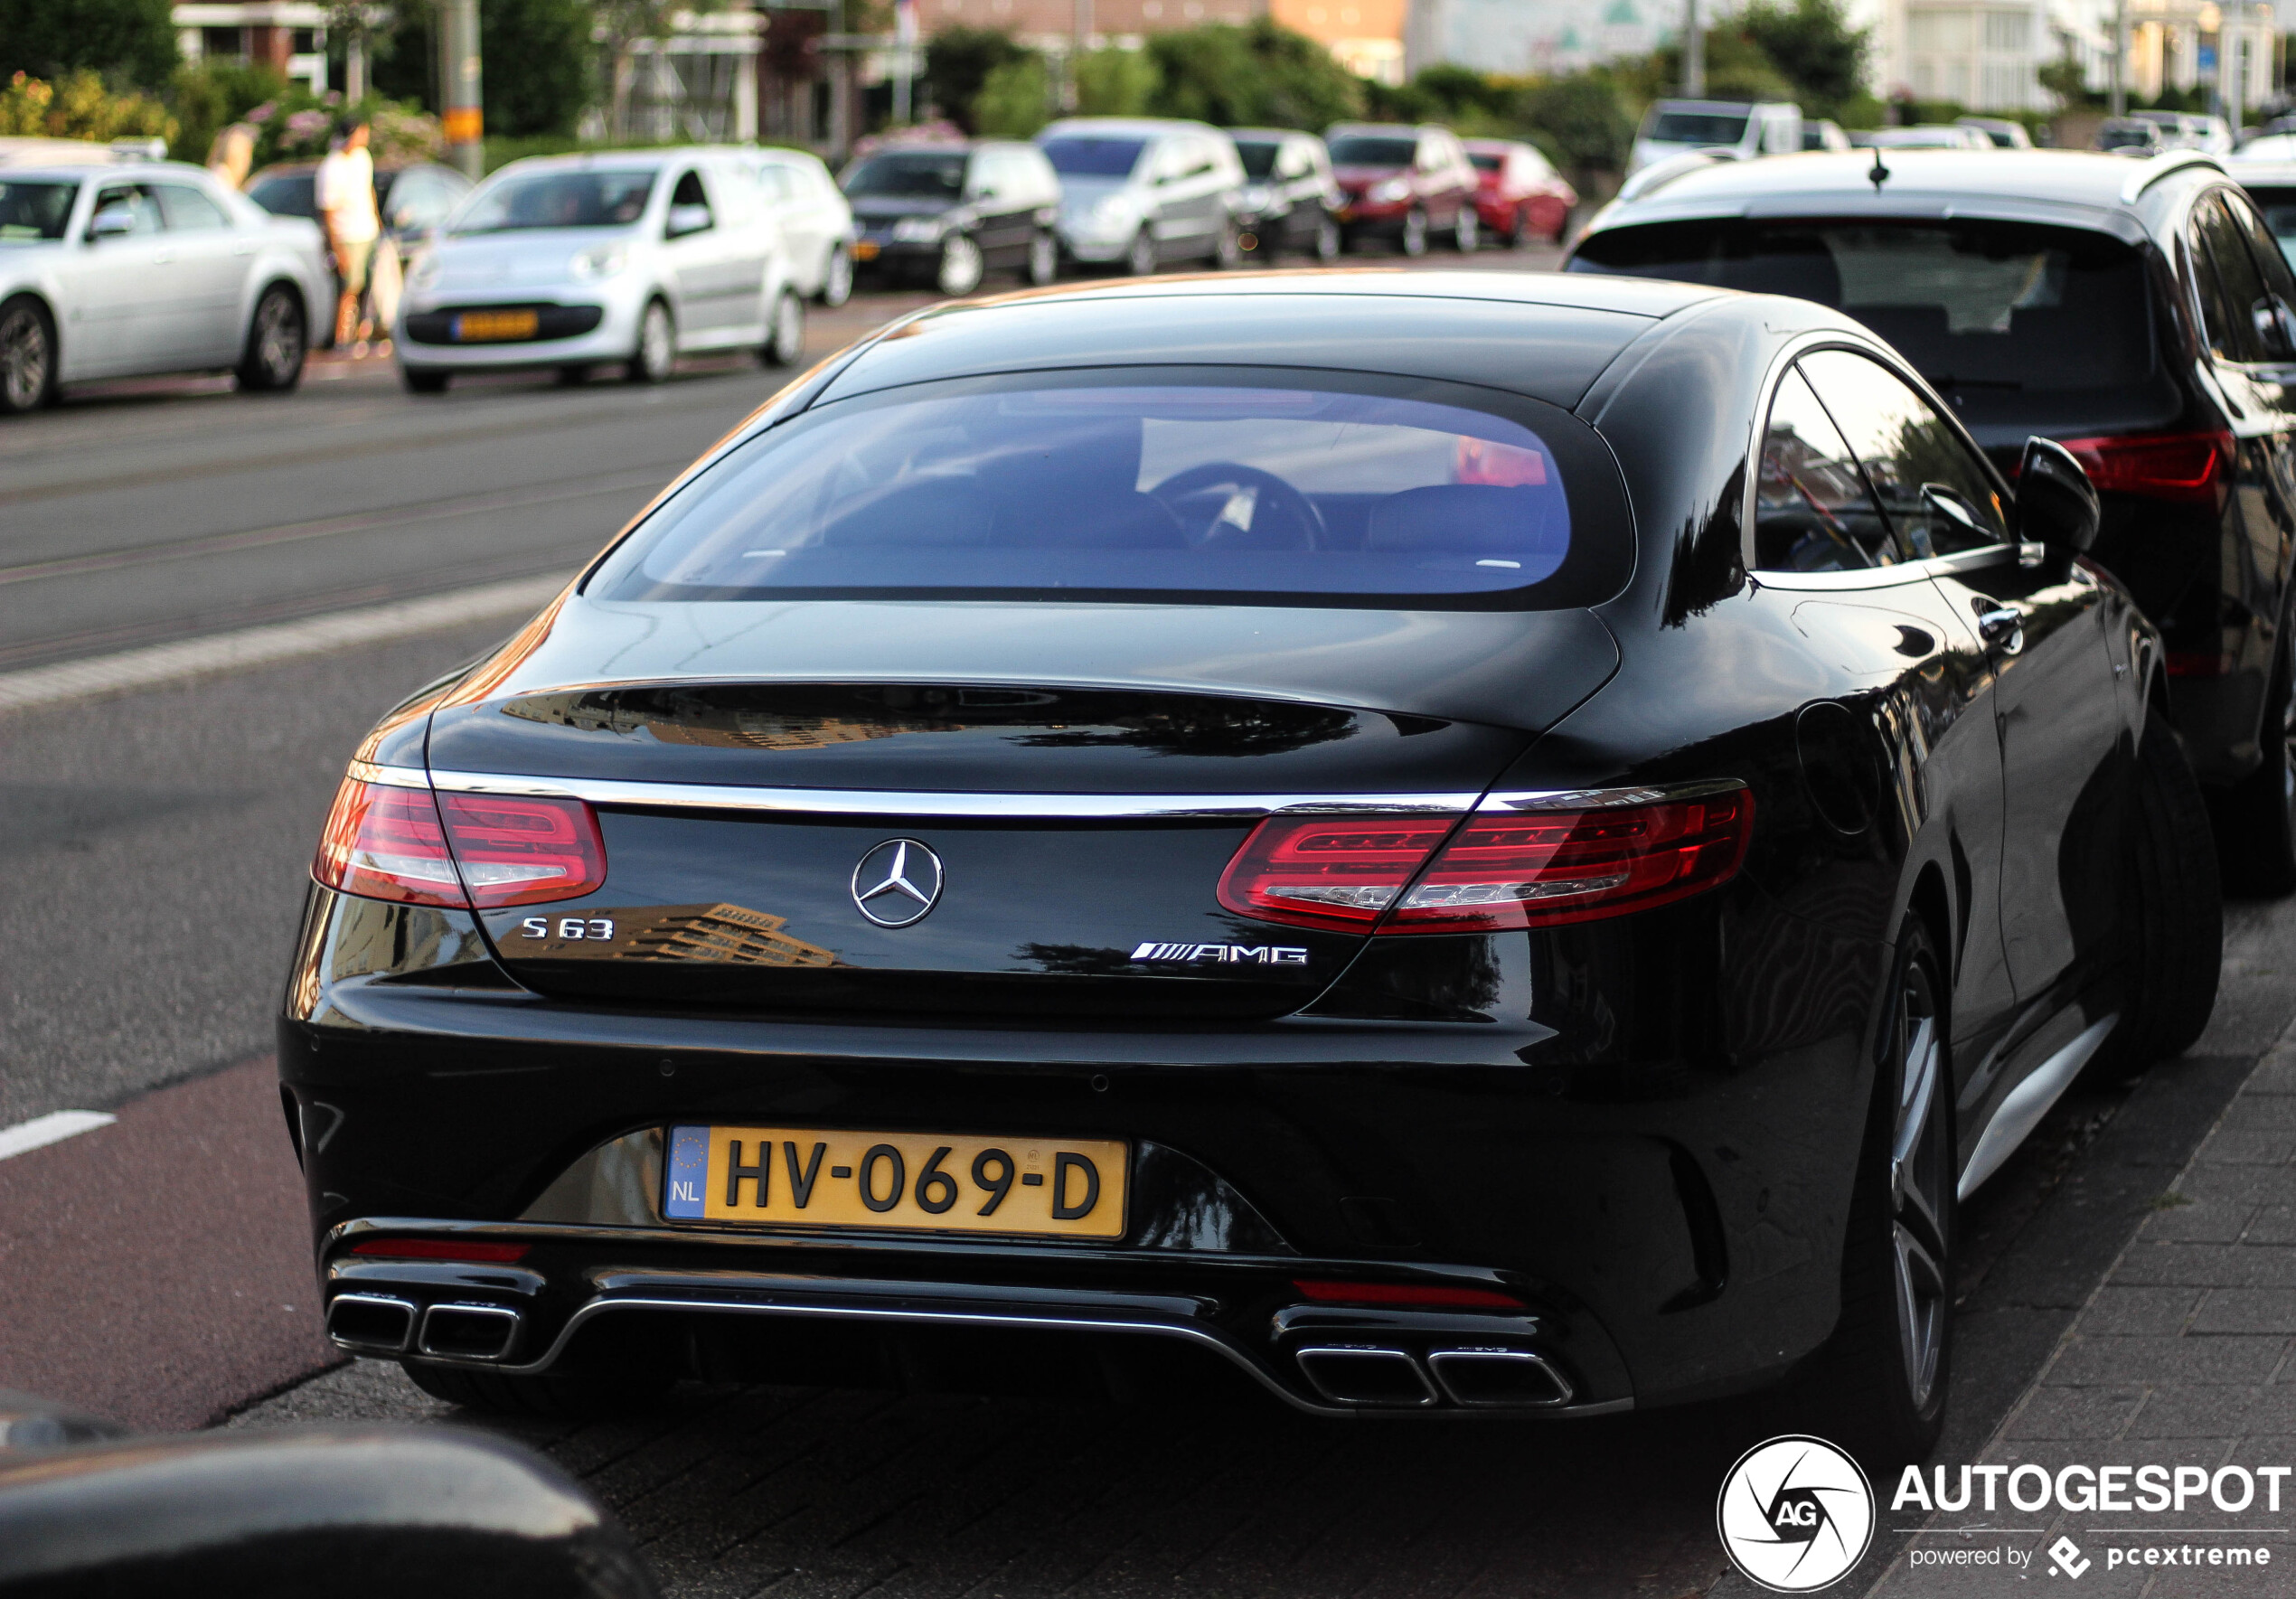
1813,45
130,40
957,64
79,107
1014,100
539,65
1259,75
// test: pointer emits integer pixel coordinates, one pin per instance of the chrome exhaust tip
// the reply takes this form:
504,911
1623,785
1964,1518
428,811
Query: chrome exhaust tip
468,1331
1363,1376
1491,1378
370,1323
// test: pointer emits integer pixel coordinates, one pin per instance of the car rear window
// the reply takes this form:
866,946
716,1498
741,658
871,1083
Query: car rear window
912,174
1085,155
1974,304
1363,150
287,194
1258,156
1697,127
1122,485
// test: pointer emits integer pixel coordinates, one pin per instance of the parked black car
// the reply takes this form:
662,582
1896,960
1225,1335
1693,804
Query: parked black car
2138,312
1290,202
1262,817
947,214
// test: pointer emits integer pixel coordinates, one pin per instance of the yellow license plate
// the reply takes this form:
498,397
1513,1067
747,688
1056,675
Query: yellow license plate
1068,1188
475,327
865,251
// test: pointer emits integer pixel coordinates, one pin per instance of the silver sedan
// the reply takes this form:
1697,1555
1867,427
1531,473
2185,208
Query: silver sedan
631,258
110,272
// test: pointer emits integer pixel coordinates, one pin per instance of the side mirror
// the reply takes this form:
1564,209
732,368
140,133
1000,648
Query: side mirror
114,222
687,219
2057,506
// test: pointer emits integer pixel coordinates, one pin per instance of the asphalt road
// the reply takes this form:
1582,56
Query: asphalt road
153,847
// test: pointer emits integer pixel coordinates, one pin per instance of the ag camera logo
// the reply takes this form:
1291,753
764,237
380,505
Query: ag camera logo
1795,1514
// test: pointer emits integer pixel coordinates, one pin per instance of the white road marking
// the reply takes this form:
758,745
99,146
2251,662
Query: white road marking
155,665
52,1128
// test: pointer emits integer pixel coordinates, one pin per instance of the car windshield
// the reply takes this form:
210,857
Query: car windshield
1089,156
1974,305
287,193
1486,162
1372,150
32,212
582,199
1258,157
2279,206
910,175
2127,139
1697,127
1119,488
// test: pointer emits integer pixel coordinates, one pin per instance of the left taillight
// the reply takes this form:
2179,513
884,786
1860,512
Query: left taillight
386,842
1537,869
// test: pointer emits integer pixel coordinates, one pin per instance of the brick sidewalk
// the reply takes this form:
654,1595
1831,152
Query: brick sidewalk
2180,1358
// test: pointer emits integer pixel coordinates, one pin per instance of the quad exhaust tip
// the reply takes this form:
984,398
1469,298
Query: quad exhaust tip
1367,1377
370,1323
468,1331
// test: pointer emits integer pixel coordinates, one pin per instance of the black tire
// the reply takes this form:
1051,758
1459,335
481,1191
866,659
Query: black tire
2177,921
278,340
574,376
558,1395
27,356
1467,230
421,382
836,279
1413,240
1330,244
2259,812
656,355
1881,1381
785,343
1041,266
1140,256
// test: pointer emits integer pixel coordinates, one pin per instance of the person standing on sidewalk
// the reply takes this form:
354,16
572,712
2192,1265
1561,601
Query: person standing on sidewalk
346,201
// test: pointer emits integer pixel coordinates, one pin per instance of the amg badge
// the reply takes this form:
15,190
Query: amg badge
1264,954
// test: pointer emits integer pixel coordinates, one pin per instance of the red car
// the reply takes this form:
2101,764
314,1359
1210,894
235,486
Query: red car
1519,194
1403,184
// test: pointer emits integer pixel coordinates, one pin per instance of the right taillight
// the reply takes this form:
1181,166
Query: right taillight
1534,868
2190,468
386,842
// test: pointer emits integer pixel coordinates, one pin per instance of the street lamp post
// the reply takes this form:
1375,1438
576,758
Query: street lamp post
1693,52
462,84
2119,58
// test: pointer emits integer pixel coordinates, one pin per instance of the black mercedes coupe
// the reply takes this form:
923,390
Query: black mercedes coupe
1461,844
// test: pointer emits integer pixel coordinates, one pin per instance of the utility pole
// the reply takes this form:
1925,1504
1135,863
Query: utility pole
462,86
2119,58
1693,52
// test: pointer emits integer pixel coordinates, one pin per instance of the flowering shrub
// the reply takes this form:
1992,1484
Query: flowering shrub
79,107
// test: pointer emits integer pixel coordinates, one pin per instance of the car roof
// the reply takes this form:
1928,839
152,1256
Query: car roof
2273,174
73,174
1458,326
1145,126
295,169
576,161
1267,135
1844,179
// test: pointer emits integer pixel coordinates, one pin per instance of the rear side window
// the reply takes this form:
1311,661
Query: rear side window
1813,512
34,211
1117,486
1974,305
2236,303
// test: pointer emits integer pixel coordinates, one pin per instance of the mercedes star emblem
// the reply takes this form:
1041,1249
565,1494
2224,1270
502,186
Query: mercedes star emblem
897,882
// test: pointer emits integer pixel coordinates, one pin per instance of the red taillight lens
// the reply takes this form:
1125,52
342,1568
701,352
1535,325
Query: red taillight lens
1338,872
1430,1295
1544,869
388,844
442,1249
1541,869
2191,468
523,851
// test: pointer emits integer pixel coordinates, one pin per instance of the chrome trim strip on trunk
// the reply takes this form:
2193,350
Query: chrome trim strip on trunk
877,802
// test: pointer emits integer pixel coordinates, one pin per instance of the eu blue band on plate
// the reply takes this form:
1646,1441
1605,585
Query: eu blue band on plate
689,1169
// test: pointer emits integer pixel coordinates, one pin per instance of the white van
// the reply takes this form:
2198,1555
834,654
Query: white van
1671,128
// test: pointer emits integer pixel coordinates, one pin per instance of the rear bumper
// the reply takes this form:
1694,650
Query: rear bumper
1667,1205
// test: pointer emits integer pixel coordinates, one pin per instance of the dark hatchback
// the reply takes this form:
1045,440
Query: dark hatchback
2139,312
1473,880
945,214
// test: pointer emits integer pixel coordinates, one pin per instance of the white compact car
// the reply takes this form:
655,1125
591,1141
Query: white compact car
630,258
817,222
114,270
1676,128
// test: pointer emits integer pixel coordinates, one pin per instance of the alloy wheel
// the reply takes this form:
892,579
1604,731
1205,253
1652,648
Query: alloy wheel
1415,233
1921,1177
1140,261
278,339
26,359
1328,242
1467,232
837,279
1044,260
788,340
960,272
657,345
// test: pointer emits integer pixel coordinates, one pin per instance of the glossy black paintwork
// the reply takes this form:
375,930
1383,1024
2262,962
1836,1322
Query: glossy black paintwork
1646,1127
365,1513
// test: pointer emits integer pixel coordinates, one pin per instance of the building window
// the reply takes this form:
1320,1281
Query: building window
306,41
229,43
2005,30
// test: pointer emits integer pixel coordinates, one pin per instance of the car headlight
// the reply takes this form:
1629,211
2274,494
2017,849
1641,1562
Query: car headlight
601,260
1393,190
917,229
1258,197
